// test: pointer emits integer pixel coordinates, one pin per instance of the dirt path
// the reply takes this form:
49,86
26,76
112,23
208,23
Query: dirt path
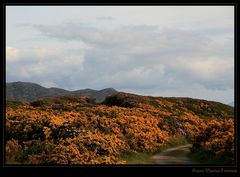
177,155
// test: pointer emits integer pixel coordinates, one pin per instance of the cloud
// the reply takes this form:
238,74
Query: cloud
44,65
206,68
12,53
215,73
48,84
107,18
129,57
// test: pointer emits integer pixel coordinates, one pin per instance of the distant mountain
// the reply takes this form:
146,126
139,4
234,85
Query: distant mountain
100,95
26,91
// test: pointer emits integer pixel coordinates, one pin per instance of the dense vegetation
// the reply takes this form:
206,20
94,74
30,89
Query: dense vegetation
76,130
215,142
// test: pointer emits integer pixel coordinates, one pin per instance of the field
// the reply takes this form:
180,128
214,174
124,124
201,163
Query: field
75,130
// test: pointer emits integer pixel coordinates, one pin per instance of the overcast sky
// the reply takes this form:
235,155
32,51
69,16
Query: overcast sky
151,50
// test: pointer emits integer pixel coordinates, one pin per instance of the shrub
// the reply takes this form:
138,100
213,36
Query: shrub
14,152
217,140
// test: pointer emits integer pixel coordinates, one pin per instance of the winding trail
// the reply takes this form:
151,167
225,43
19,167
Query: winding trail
177,155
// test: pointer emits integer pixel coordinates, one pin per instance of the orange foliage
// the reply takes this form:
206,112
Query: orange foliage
82,133
216,138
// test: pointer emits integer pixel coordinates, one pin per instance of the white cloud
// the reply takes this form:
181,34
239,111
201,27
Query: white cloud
133,56
22,73
105,18
43,53
143,49
210,68
48,84
45,65
11,53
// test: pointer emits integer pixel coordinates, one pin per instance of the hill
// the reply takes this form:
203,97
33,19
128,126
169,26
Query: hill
73,130
174,105
25,91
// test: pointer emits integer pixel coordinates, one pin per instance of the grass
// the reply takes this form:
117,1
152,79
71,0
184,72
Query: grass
146,157
13,104
138,157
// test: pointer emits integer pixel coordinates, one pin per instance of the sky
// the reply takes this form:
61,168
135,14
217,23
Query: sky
182,51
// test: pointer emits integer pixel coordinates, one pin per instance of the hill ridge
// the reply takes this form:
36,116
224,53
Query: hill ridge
28,91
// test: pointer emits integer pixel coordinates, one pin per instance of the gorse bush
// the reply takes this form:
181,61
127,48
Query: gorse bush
14,152
48,137
217,140
86,133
